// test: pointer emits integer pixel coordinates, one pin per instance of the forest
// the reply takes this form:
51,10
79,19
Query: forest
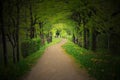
29,25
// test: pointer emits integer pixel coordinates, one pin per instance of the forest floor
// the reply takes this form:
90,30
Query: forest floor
55,64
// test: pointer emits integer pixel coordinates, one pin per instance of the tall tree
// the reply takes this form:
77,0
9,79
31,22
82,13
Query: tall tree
18,28
2,27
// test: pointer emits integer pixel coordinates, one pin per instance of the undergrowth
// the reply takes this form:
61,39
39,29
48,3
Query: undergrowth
100,66
16,71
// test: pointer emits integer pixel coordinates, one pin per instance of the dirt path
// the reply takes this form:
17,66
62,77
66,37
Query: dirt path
56,65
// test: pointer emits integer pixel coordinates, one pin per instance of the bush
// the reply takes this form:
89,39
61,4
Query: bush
30,46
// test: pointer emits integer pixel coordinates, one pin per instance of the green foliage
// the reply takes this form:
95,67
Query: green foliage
100,66
16,71
100,15
30,46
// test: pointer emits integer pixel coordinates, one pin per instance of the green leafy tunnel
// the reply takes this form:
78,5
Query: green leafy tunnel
91,24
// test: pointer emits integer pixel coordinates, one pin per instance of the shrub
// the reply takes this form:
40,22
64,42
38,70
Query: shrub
30,46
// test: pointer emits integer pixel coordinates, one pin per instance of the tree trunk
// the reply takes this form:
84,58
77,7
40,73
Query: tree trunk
12,41
14,58
49,37
4,46
42,39
41,33
108,41
3,34
94,42
17,30
85,37
32,30
73,38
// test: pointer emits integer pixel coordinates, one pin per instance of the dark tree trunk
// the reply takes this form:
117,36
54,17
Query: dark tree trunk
32,30
3,34
4,46
73,38
41,33
87,38
108,41
50,36
14,58
94,42
17,30
12,41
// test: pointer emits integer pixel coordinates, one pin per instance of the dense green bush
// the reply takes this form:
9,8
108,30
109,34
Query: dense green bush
30,46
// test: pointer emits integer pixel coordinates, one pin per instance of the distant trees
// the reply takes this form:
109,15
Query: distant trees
57,33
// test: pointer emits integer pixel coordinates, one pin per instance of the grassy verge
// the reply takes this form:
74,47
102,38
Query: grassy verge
100,66
14,71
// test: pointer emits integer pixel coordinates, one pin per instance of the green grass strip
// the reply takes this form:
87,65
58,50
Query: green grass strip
100,66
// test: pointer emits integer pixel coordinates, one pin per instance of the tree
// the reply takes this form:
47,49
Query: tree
2,27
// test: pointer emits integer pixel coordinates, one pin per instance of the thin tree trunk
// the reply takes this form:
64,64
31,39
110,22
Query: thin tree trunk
14,58
3,34
31,24
85,37
94,42
50,36
73,38
4,46
17,30
41,33
108,44
42,39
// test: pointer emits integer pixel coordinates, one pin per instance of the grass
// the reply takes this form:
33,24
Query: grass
15,71
100,66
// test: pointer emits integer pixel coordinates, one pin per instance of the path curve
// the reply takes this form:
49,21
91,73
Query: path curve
56,65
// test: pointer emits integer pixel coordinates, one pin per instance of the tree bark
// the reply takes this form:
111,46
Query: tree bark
3,34
32,30
12,41
41,33
94,42
73,38
17,29
85,37
14,58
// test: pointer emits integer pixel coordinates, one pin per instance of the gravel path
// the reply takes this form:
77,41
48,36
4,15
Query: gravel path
56,65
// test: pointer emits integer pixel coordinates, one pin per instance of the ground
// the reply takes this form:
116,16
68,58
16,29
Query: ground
55,64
